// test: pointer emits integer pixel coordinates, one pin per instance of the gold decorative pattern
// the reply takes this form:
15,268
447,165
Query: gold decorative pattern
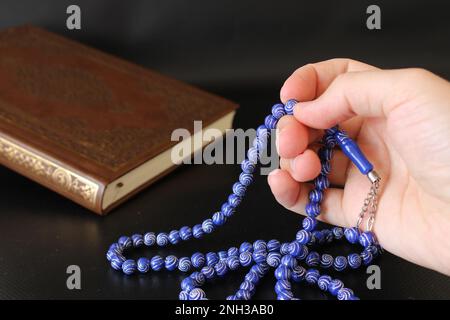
49,170
91,105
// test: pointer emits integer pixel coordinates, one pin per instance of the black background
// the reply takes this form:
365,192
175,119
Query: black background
243,51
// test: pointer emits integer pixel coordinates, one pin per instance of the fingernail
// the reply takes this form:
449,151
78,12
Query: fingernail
297,109
278,135
292,164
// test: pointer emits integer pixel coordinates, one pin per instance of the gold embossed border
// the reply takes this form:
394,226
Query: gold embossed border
50,171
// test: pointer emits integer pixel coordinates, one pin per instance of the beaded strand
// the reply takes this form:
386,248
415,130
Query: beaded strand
292,261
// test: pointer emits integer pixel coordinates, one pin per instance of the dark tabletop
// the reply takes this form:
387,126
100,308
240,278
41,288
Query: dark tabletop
242,52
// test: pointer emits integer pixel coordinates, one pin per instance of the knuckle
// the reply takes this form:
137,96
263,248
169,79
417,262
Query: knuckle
342,60
417,74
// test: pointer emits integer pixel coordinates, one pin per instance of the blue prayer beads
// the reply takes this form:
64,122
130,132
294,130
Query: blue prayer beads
278,111
335,286
323,282
174,236
143,265
233,262
171,263
198,260
246,179
246,258
211,258
208,226
129,266
125,242
197,231
352,234
289,106
184,264
239,189
354,260
138,240
285,258
162,239
209,272
326,261
156,263
273,259
273,245
340,263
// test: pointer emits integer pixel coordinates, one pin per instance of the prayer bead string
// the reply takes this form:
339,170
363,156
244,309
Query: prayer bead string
294,261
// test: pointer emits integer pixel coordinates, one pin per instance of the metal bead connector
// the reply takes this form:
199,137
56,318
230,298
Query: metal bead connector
373,176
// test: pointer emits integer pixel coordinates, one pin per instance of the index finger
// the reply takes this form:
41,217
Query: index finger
311,80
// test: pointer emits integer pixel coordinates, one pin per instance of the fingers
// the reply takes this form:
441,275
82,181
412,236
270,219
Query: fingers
296,147
294,196
301,85
304,167
285,189
368,93
311,80
292,140
293,137
308,167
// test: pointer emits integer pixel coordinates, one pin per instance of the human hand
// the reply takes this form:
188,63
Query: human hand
401,121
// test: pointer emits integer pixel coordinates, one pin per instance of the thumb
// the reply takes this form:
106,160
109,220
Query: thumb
372,93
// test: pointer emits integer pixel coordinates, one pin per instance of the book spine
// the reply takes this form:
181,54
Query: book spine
51,173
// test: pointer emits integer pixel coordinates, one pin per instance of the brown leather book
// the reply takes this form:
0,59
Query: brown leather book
88,125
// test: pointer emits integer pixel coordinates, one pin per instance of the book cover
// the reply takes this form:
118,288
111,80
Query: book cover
88,125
